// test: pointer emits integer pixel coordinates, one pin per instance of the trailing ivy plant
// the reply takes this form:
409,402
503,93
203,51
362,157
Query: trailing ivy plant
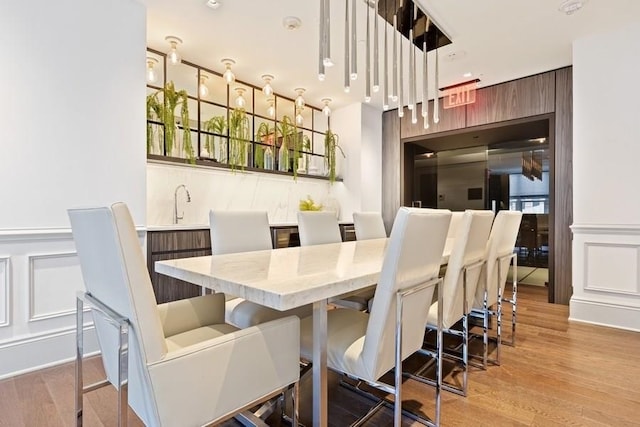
264,134
166,112
330,145
218,125
155,111
287,131
238,137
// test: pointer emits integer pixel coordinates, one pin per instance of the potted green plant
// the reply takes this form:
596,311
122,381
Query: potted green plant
166,112
238,138
155,112
330,145
287,131
217,125
264,157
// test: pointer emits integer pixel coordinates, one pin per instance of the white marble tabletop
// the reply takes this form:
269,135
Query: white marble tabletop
285,278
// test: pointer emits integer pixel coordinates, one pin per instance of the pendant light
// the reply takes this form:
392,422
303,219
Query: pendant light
367,77
173,56
394,87
228,75
326,59
240,101
203,90
321,41
152,76
376,50
326,110
347,77
354,42
299,99
267,89
271,111
299,117
385,77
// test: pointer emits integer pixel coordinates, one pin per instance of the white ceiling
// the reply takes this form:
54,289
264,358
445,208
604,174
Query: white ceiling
496,40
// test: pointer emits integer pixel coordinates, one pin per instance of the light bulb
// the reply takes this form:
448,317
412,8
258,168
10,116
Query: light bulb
354,76
321,77
375,88
385,107
394,98
347,89
267,89
271,111
240,102
367,99
173,56
152,76
410,106
228,75
327,62
203,90
299,99
326,110
299,119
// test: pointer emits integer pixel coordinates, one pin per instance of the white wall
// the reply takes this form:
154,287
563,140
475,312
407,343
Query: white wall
359,127
71,134
606,206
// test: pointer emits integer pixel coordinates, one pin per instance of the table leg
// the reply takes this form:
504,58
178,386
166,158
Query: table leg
320,364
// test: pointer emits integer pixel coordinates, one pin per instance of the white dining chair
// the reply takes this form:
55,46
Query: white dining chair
318,228
369,225
459,287
491,285
245,231
367,345
178,363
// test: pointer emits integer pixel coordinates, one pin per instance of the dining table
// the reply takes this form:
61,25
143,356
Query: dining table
287,278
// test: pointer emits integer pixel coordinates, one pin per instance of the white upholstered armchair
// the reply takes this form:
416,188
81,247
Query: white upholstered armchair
186,366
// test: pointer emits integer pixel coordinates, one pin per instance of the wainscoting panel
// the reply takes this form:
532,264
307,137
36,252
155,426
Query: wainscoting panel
5,287
39,278
606,274
618,275
54,280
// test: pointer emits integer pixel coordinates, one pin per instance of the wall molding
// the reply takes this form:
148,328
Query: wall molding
32,258
43,350
6,260
605,289
39,234
611,229
620,316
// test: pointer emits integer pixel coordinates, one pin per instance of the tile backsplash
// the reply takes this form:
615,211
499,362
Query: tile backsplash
222,189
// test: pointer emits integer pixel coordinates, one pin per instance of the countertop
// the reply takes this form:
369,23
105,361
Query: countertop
176,227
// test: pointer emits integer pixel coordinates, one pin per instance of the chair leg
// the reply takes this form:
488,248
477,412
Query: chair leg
295,402
79,355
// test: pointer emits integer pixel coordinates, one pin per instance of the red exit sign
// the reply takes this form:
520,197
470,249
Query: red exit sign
460,94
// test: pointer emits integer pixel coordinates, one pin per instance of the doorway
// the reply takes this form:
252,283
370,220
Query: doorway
494,167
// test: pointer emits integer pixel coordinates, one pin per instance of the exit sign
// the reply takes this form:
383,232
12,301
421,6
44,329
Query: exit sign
460,94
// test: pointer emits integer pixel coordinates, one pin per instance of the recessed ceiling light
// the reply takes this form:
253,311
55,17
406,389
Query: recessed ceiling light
291,22
467,74
213,4
571,6
455,55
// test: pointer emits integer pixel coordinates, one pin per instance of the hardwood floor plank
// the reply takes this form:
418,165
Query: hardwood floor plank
9,402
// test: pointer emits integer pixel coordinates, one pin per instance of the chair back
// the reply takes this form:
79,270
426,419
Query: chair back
413,256
501,242
318,228
454,226
469,246
239,231
369,225
114,272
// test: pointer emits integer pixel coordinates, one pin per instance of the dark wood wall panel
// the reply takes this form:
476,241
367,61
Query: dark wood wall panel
450,119
530,96
391,167
563,186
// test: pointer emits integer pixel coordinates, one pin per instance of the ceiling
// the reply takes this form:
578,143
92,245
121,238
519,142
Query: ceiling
495,40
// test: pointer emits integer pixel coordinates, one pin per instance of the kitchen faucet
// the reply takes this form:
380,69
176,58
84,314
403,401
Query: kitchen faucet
177,218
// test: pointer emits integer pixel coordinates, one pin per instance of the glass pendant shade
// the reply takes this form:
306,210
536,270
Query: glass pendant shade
152,76
326,110
228,75
299,99
173,56
203,90
240,101
267,89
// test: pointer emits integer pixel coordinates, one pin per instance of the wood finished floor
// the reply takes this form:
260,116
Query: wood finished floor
559,374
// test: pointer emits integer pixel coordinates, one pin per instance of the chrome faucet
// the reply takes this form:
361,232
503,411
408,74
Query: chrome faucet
177,217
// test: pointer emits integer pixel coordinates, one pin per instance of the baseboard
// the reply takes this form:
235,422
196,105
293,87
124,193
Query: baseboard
604,314
42,351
